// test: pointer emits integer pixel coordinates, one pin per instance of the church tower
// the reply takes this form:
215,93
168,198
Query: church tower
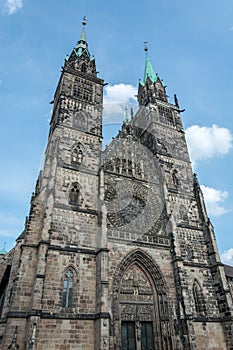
118,251
54,288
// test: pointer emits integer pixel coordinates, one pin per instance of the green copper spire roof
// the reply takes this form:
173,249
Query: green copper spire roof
149,70
83,35
82,43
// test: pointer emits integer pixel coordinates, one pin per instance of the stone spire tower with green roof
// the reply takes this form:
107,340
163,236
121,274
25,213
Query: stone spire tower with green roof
52,300
151,87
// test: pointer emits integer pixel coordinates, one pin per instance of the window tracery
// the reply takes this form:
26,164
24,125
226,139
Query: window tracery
125,166
82,88
80,120
74,195
77,154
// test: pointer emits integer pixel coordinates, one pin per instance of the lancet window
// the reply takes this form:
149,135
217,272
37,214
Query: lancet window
67,294
199,299
77,154
75,197
188,251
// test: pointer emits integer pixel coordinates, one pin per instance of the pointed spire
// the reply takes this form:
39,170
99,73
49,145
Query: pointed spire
126,115
83,33
149,70
82,43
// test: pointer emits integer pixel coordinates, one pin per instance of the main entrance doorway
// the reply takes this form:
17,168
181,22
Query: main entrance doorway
141,318
137,336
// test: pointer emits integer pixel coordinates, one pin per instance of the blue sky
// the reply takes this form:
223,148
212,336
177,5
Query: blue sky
190,46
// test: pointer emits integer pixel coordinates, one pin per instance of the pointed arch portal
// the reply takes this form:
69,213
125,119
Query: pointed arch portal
140,305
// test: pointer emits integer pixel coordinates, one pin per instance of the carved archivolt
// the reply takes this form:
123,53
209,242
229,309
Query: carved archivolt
144,277
140,295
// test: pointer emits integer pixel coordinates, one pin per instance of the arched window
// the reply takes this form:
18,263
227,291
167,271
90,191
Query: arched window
67,293
3,287
188,251
84,68
75,193
73,236
199,299
174,178
183,213
110,165
77,154
80,120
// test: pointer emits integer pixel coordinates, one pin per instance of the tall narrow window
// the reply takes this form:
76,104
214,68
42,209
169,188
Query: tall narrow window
84,68
188,252
77,155
183,213
75,194
199,299
67,294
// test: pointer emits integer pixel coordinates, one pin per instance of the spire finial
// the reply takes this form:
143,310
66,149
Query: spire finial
145,46
149,71
84,22
126,114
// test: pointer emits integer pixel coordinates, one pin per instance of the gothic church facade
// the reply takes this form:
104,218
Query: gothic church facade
118,251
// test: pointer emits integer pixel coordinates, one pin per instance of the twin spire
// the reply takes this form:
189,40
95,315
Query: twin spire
150,88
82,47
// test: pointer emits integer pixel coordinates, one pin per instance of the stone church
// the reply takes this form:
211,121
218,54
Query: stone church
118,251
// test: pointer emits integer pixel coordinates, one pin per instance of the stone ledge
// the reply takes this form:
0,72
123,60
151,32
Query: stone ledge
60,315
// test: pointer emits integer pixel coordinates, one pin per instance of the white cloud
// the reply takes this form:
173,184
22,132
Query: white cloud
11,6
213,200
207,142
116,98
227,256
